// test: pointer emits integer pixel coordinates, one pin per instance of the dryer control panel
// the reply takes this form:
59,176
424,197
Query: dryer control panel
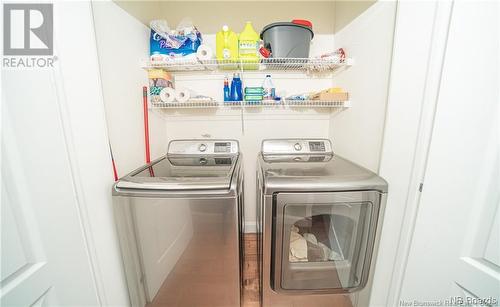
296,146
203,147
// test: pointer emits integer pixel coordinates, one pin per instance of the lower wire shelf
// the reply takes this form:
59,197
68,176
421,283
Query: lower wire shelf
202,104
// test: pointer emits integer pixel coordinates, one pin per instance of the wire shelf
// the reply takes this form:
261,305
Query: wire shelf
313,65
202,104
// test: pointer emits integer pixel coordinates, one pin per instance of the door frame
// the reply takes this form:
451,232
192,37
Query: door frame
413,92
80,101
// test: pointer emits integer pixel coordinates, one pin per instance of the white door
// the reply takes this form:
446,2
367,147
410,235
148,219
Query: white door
58,247
44,252
455,252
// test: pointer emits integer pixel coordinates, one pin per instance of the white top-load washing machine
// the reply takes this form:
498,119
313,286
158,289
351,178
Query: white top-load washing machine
179,225
319,218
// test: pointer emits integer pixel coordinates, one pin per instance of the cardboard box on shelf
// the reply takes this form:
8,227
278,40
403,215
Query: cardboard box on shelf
330,95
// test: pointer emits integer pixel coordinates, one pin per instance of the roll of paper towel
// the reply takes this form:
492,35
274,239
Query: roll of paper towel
204,53
167,95
184,94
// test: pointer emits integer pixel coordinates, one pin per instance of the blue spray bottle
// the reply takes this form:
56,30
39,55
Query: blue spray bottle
236,88
227,92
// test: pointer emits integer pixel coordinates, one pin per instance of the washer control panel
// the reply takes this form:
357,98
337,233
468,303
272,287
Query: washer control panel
222,147
317,146
296,146
203,147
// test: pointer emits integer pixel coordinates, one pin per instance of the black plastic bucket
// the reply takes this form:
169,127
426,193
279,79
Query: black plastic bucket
287,39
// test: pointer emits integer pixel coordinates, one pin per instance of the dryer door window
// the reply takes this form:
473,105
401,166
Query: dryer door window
324,241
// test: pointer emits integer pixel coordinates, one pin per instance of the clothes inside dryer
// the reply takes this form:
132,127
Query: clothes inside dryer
327,236
305,246
324,233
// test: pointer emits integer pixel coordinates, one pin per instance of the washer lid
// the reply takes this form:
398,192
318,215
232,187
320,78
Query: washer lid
183,173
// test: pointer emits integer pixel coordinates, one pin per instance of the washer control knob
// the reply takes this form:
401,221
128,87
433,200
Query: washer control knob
203,161
297,147
202,147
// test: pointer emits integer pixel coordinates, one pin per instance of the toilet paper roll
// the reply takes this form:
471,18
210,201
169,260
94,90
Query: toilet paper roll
167,95
184,94
204,53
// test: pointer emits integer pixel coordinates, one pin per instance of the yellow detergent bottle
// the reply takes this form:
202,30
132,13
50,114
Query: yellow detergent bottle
248,47
226,42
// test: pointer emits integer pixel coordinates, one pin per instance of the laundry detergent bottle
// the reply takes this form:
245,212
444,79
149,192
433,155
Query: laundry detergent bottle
236,88
227,91
248,47
226,43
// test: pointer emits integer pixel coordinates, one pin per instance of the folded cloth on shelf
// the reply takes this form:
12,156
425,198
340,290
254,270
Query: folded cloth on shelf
158,80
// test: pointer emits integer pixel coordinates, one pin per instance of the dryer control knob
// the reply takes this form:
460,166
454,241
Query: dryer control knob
202,147
297,147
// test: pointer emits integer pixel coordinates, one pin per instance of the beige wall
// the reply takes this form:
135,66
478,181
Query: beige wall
143,11
210,16
327,16
347,11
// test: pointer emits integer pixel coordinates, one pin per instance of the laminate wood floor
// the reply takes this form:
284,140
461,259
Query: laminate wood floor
250,286
250,271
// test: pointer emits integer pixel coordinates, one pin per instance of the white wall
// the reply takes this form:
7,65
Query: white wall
357,132
122,43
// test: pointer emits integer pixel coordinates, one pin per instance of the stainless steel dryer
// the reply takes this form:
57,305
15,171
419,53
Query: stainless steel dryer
179,223
319,218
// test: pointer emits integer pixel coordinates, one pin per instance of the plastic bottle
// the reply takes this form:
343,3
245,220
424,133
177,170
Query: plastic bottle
248,46
236,88
227,93
226,42
269,90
